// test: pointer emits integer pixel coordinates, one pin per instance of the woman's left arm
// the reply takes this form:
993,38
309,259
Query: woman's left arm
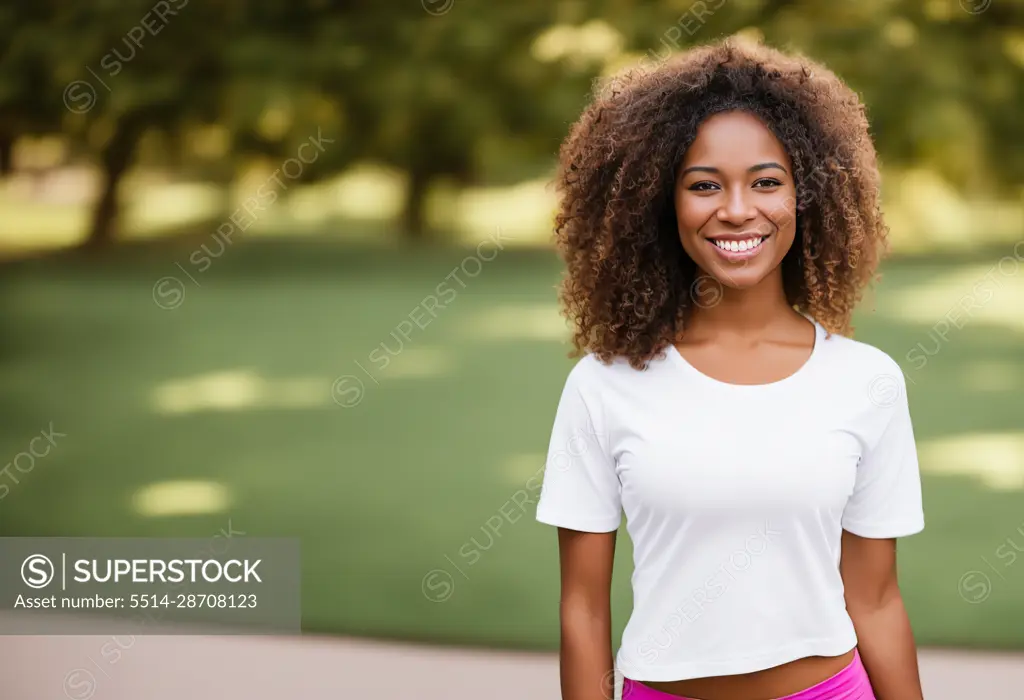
873,600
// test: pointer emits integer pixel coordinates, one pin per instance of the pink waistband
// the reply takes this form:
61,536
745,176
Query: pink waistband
849,684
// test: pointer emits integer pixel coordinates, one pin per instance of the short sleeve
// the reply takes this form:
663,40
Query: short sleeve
580,490
886,500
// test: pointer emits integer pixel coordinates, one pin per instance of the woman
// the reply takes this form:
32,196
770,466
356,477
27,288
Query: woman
719,221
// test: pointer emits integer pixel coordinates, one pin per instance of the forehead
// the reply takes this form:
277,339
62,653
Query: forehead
734,138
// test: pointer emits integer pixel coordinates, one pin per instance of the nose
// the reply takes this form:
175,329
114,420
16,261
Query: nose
737,210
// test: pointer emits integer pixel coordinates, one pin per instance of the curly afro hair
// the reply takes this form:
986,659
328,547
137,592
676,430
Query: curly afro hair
628,283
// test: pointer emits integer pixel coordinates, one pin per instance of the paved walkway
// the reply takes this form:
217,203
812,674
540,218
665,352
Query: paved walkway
264,668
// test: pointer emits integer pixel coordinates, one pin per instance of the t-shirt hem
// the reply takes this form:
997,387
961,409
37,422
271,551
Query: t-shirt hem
884,531
577,523
829,646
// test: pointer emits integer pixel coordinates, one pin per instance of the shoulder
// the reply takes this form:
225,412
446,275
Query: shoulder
868,381
591,371
597,381
859,360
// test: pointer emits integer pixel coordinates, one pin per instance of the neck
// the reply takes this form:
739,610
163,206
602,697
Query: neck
747,309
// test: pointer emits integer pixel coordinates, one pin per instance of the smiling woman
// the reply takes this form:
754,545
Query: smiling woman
719,222
636,179
732,213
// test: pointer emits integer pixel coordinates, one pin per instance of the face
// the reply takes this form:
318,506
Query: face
736,200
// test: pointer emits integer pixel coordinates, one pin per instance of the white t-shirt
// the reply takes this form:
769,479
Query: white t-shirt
735,498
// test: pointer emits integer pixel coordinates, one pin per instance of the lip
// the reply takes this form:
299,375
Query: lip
738,236
738,255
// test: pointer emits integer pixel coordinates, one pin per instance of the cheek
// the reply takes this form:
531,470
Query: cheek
692,213
781,211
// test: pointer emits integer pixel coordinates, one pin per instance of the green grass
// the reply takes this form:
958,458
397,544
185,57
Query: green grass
386,491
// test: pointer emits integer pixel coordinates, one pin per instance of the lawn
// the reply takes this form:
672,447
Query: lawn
226,408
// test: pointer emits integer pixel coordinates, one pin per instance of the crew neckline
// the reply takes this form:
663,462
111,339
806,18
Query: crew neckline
819,336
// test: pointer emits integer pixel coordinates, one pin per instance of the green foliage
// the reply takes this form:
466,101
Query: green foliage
943,79
456,88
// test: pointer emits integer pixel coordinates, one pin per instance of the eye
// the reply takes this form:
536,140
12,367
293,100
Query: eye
767,182
703,186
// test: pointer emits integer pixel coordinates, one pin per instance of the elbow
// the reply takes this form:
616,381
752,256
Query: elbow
864,603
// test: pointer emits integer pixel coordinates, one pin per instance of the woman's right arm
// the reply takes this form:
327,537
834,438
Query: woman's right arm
585,660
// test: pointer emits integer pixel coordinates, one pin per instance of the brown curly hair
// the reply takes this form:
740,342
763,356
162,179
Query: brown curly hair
628,283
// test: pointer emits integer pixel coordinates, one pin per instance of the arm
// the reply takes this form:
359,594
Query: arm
884,637
585,660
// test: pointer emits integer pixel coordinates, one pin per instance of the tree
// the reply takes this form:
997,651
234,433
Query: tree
943,81
105,76
423,91
430,87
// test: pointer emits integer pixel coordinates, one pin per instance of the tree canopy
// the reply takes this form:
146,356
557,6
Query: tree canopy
472,90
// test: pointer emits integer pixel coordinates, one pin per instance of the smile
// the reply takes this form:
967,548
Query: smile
739,249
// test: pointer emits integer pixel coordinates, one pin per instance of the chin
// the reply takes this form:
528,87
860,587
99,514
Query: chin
736,276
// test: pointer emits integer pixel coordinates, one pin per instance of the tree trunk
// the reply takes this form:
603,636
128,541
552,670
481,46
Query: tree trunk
414,210
116,159
6,153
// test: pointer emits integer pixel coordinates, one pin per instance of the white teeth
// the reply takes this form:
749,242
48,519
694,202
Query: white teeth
739,246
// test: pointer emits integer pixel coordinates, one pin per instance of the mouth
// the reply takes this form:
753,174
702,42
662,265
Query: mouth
741,247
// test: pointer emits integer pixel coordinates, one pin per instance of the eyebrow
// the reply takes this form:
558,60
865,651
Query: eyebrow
751,169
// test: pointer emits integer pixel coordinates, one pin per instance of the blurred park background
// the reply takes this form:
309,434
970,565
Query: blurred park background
284,268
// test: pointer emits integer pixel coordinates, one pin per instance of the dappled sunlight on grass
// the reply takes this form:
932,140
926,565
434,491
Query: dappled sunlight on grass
993,376
413,362
368,192
990,294
239,382
517,322
237,390
167,498
925,212
247,390
37,225
922,211
996,459
153,209
595,41
517,469
524,212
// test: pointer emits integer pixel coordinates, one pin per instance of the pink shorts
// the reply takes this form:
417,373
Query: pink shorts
849,684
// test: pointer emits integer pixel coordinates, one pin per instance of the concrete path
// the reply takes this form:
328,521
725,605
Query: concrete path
271,668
